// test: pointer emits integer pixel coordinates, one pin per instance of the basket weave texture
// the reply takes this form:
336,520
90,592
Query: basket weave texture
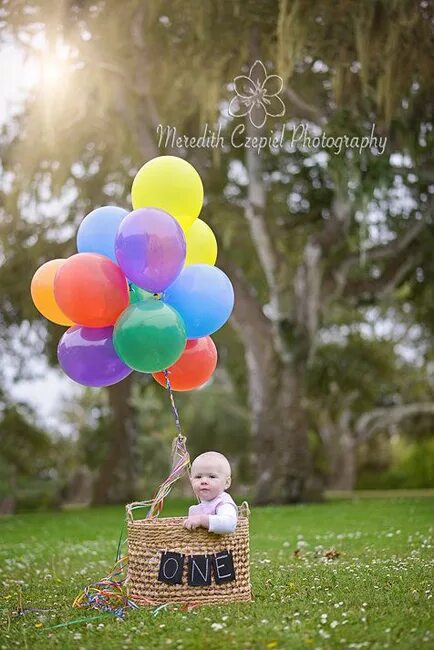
148,538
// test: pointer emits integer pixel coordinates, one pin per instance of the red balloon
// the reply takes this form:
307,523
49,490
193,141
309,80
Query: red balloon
194,367
91,290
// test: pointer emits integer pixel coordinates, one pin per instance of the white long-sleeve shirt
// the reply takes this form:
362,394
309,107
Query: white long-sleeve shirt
222,512
224,521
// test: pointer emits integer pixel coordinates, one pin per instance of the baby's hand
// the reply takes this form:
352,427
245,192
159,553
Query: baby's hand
196,522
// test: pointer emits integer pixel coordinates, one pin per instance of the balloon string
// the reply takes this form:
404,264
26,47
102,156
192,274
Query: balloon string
180,465
172,401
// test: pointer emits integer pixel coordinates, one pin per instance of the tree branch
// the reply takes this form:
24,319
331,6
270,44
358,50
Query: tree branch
304,109
254,213
307,286
362,291
394,249
255,331
247,318
384,251
308,281
369,422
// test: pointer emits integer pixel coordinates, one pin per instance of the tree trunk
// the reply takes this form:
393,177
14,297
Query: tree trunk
282,455
340,446
116,481
342,463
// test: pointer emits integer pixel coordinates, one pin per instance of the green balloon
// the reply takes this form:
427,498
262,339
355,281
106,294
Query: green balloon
138,295
149,336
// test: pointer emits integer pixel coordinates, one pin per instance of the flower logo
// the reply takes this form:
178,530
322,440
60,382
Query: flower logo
257,96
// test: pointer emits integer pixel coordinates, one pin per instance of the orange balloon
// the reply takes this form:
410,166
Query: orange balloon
91,290
42,290
193,368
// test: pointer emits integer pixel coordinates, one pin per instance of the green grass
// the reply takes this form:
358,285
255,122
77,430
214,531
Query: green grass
376,594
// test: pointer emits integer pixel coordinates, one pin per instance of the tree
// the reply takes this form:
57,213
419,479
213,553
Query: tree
368,389
25,450
344,67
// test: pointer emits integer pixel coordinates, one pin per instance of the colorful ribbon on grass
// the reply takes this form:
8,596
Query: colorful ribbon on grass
109,594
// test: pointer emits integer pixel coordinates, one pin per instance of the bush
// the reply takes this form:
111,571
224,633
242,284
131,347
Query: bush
38,495
411,466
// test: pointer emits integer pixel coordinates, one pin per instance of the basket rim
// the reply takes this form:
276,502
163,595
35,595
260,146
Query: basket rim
243,511
160,521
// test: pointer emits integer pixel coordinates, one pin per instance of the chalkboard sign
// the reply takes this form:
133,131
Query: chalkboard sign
223,566
199,568
171,567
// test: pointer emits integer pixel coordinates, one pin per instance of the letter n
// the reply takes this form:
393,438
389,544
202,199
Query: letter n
199,570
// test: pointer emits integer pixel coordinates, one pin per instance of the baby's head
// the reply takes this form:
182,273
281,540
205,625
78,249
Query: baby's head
210,475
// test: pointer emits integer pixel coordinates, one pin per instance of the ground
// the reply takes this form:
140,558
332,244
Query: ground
354,573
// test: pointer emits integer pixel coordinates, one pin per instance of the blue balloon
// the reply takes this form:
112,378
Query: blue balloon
203,296
97,231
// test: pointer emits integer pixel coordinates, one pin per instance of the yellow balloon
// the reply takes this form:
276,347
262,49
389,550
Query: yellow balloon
201,244
42,290
171,184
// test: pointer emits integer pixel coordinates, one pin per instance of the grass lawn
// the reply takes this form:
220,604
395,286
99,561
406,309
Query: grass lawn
376,594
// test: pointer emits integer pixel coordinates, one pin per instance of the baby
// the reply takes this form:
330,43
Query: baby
217,511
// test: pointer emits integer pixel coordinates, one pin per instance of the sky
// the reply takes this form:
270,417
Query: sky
47,391
17,77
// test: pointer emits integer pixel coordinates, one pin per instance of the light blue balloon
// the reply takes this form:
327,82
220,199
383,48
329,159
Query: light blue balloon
203,296
97,231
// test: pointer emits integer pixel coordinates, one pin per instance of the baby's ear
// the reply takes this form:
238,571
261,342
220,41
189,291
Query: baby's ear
228,482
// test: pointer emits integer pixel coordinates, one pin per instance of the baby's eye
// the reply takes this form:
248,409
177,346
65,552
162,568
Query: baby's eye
198,476
212,476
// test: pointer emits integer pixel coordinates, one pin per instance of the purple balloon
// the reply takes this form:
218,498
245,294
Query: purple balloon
87,356
150,248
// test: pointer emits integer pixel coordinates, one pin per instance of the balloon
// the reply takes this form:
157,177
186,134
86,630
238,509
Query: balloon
149,336
91,290
137,294
42,290
201,244
87,356
193,368
150,248
171,184
97,231
203,296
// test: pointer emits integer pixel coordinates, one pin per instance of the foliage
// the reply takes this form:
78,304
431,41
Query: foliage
28,456
397,464
33,466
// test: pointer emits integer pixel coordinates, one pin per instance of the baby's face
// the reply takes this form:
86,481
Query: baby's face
209,478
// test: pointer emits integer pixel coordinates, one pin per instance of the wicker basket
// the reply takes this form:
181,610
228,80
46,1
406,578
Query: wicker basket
148,539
